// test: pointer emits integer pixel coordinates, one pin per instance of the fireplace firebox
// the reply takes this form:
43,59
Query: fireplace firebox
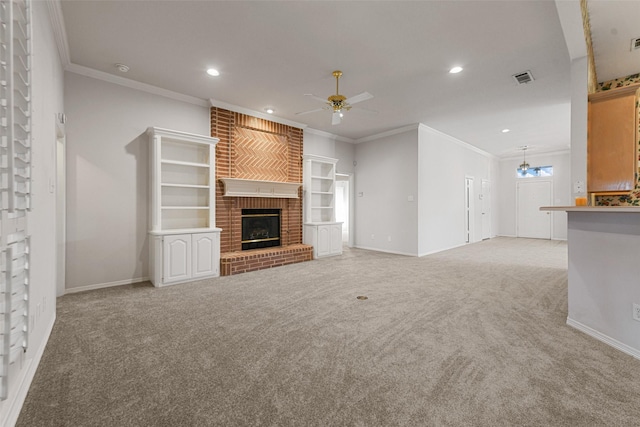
260,228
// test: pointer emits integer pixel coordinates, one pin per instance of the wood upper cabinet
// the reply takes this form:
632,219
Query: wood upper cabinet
611,147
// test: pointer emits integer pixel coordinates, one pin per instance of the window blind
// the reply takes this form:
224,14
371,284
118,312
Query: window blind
15,182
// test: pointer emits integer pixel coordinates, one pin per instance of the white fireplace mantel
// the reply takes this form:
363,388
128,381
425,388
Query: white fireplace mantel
235,187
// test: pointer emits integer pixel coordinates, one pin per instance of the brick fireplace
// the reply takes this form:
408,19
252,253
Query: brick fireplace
257,149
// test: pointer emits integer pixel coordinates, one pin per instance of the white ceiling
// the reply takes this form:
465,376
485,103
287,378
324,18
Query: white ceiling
270,53
613,25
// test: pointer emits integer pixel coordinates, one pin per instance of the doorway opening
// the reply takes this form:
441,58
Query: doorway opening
344,206
60,187
486,209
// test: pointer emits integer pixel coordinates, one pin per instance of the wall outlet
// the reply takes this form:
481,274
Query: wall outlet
636,312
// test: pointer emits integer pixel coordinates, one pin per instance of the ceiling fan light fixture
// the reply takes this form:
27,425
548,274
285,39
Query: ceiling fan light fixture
337,103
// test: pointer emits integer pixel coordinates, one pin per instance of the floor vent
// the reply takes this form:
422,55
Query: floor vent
635,44
523,78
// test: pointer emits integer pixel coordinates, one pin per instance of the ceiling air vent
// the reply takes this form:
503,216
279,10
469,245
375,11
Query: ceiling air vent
524,77
635,44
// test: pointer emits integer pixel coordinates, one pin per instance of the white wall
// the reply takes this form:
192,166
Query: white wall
386,174
561,188
323,144
445,162
603,285
579,107
417,163
47,98
107,176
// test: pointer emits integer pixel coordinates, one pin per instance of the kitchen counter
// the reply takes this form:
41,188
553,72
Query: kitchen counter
608,209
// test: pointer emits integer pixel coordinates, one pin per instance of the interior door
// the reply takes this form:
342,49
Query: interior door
532,222
468,209
486,209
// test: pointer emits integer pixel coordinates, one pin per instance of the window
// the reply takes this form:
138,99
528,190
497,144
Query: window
535,172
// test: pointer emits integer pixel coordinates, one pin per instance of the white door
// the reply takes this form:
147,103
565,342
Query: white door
532,222
204,252
176,258
468,209
486,209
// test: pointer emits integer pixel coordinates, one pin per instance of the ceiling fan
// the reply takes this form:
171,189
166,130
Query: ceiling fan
337,103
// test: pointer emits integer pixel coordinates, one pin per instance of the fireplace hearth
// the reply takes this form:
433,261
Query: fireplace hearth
260,228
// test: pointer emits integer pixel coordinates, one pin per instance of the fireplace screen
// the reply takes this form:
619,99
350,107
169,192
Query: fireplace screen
260,228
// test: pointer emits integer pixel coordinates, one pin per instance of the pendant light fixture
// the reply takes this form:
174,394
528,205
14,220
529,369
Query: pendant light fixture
524,165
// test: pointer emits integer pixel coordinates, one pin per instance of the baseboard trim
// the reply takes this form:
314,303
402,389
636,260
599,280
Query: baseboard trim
383,250
604,338
445,249
105,285
29,372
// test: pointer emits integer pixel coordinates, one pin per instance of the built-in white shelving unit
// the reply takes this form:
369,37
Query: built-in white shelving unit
185,242
320,227
15,182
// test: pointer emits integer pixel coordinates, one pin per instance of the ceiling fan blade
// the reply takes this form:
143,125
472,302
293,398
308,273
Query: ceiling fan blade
335,118
359,98
302,113
316,97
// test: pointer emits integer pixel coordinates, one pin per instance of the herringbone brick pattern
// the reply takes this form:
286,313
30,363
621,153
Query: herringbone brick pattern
265,162
260,155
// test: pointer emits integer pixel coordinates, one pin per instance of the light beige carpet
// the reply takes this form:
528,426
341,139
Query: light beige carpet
470,336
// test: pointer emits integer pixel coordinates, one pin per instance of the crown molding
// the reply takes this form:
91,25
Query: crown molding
59,31
329,135
254,113
133,84
458,142
388,133
551,152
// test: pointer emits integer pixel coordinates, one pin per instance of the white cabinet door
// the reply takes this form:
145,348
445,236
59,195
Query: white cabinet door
336,239
176,258
323,240
206,257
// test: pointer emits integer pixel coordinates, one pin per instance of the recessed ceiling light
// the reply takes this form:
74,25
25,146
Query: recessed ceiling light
213,72
506,130
269,110
455,70
122,68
